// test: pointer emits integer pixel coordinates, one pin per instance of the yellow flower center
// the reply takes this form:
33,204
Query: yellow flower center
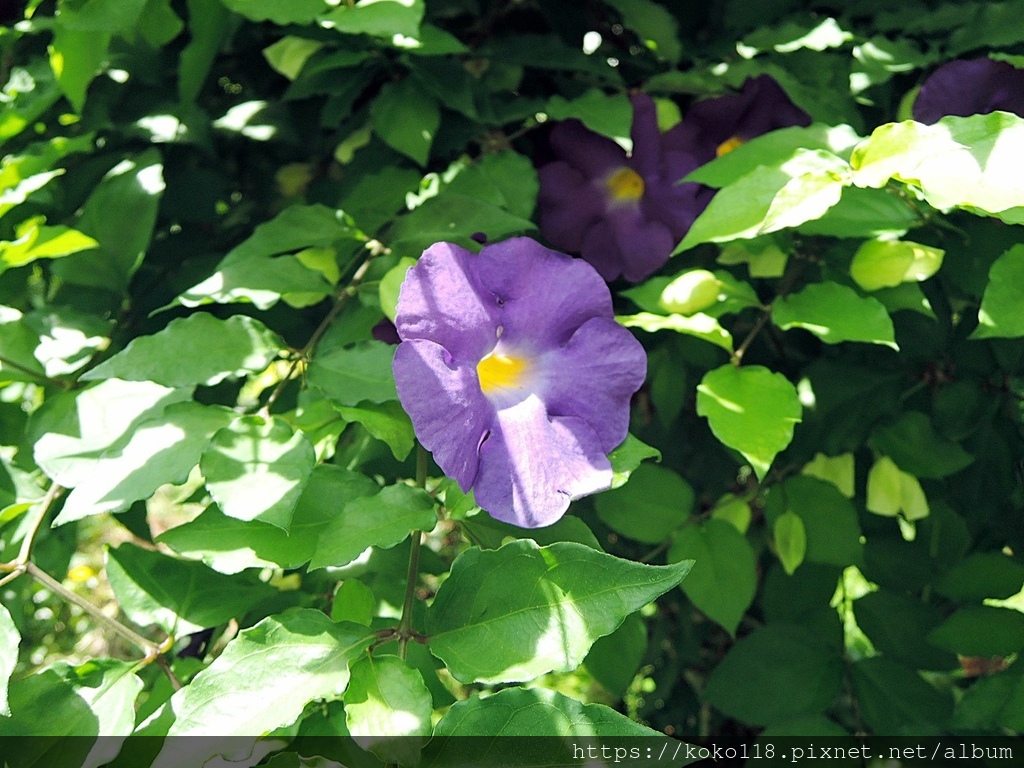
728,146
498,372
625,185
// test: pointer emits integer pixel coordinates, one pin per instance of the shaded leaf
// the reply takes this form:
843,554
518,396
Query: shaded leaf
651,505
349,376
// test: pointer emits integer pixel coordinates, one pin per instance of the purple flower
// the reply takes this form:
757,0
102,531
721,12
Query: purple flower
515,374
625,213
970,87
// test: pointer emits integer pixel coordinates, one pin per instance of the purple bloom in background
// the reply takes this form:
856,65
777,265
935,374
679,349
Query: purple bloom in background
970,87
625,213
515,374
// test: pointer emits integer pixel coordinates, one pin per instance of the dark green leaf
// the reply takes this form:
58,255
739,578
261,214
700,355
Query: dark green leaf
830,520
982,630
385,421
897,626
350,376
649,507
292,12
406,117
894,700
918,449
982,575
614,659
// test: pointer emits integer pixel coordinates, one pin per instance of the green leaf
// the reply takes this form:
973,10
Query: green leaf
120,215
353,601
838,470
1000,315
229,545
790,540
774,674
383,520
292,12
61,704
912,442
35,241
649,507
894,699
614,659
892,491
198,349
406,117
180,596
75,57
385,421
255,469
163,449
699,325
966,162
10,639
27,94
888,263
829,519
655,25
159,24
629,455
350,376
524,712
724,578
386,705
982,575
391,285
209,24
770,198
835,313
897,626
291,659
982,630
17,193
506,179
380,18
865,212
566,596
750,409
18,343
251,273
609,116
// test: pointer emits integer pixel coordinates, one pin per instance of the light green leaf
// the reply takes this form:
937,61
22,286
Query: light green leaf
838,470
10,639
379,18
406,117
762,256
723,580
912,442
75,57
18,343
255,469
289,54
266,676
229,545
198,349
67,705
391,285
751,410
35,241
383,520
566,596
629,455
609,116
965,162
524,712
163,449
733,510
385,421
891,491
1000,315
387,708
353,601
699,325
17,193
649,507
180,596
774,674
887,263
120,215
292,12
835,313
27,94
453,217
159,24
829,519
690,292
251,273
769,198
790,540
349,376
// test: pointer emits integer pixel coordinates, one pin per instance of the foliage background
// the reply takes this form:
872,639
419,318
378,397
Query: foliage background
203,205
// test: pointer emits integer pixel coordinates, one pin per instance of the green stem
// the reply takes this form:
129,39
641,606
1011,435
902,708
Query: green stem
412,575
39,377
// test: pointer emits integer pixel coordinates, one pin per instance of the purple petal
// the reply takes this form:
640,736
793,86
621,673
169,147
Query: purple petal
593,154
568,204
970,87
449,412
594,376
532,466
442,300
545,294
646,155
625,244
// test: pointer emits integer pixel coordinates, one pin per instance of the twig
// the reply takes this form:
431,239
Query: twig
737,356
412,574
19,565
42,378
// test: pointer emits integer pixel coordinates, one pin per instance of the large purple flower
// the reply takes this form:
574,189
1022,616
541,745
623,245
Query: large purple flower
970,87
625,213
515,374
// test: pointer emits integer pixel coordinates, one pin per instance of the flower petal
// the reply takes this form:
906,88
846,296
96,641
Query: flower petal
568,204
970,87
532,466
593,154
646,155
594,376
442,300
449,412
625,244
546,295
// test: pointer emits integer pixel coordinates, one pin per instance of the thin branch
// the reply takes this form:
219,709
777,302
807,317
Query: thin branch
412,575
42,378
18,566
737,356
